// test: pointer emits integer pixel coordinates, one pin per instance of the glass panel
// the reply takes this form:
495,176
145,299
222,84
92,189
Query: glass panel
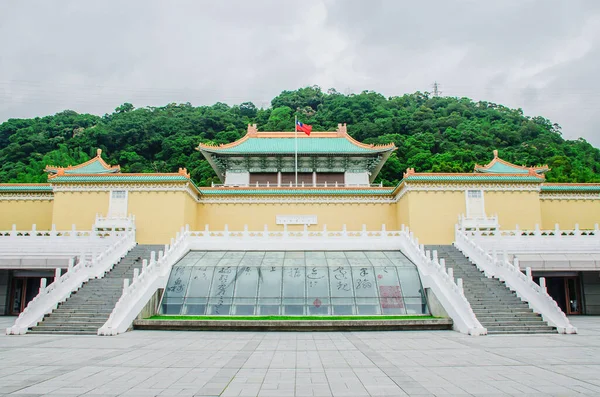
365,288
197,294
390,294
412,291
317,290
342,293
245,290
221,292
269,289
293,290
177,287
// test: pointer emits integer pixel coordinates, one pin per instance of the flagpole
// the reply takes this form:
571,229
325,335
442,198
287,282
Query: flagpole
296,148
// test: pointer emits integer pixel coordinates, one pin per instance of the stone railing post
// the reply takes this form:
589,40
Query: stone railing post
543,284
42,285
528,272
57,274
450,272
459,283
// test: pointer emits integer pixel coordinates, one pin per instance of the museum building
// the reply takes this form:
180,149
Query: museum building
298,228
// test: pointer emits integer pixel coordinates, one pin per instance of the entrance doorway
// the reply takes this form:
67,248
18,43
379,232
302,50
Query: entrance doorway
22,291
566,291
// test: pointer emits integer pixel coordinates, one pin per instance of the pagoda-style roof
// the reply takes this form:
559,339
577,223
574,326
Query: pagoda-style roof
319,142
499,166
95,166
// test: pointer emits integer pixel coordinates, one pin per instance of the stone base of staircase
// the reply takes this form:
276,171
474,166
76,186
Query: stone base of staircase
291,325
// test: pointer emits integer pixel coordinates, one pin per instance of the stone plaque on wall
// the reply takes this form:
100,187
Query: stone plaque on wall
296,220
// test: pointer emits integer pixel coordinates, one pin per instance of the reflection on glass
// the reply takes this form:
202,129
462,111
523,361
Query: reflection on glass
197,296
221,293
342,291
294,283
245,290
269,290
317,290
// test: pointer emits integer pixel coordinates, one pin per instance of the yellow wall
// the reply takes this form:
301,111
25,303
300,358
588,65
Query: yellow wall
78,208
256,215
569,212
402,211
190,212
433,214
514,208
25,213
158,215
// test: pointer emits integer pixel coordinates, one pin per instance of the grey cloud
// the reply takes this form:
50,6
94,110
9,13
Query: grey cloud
541,55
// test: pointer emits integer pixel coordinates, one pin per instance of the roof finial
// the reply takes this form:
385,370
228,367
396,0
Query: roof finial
98,152
252,129
495,154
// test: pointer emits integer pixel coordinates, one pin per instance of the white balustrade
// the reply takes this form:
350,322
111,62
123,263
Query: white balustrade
537,240
50,296
155,275
143,285
523,285
55,242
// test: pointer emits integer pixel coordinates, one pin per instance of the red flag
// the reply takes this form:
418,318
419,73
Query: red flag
303,127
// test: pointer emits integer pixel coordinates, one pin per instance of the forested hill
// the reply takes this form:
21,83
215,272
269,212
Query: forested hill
438,134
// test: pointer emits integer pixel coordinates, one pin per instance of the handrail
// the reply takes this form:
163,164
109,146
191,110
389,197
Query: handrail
50,296
144,285
537,296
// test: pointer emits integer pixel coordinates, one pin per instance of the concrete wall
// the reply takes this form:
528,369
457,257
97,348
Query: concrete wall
256,215
25,213
591,292
78,208
432,215
569,212
158,215
514,208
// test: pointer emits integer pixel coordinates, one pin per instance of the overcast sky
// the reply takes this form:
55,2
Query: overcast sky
91,56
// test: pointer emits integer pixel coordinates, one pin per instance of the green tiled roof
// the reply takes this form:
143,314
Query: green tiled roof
500,168
25,188
292,192
120,178
94,167
474,178
287,145
571,188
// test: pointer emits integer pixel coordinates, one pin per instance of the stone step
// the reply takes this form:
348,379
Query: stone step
60,332
514,322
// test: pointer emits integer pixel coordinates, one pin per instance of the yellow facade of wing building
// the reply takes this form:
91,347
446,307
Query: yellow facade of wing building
333,186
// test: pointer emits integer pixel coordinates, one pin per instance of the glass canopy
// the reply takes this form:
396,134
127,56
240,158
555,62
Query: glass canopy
294,283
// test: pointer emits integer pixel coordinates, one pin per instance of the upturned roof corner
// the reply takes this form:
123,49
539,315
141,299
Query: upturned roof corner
500,166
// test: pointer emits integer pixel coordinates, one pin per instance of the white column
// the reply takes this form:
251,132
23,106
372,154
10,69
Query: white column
278,178
314,178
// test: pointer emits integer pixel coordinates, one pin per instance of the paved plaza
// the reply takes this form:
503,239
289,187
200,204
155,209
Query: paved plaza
441,363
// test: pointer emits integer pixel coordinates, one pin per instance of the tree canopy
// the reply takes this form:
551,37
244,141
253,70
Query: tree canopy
433,134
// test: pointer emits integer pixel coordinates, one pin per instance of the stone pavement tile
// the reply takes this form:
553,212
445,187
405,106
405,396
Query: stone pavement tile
313,390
